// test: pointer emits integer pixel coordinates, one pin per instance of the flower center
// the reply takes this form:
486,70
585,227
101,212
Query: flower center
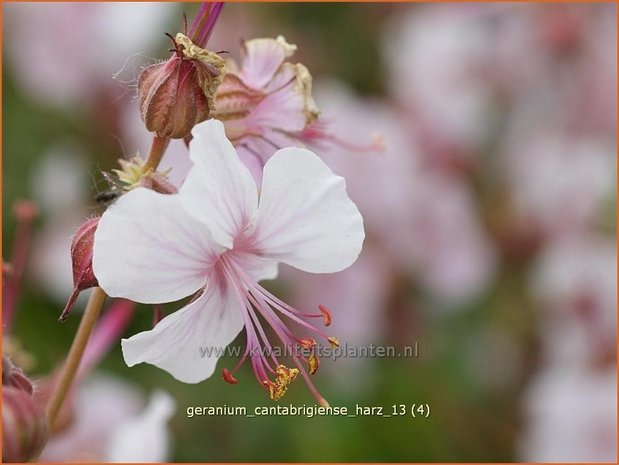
257,305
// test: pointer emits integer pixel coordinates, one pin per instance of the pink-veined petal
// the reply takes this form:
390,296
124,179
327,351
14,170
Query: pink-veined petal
148,249
259,268
262,58
284,110
305,217
219,190
188,343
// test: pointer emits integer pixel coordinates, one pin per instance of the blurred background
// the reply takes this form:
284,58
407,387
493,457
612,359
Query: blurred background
490,220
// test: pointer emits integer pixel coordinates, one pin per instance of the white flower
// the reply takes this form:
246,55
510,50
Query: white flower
218,236
111,425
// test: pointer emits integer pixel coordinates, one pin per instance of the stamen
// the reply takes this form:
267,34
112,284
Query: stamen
257,304
334,342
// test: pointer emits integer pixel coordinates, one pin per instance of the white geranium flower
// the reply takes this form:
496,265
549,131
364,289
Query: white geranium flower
217,238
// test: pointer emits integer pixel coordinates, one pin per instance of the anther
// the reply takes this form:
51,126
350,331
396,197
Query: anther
227,376
285,376
326,314
333,341
308,342
314,363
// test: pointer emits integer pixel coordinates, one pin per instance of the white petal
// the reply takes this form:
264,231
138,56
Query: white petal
262,58
144,438
305,217
188,343
148,249
259,268
219,190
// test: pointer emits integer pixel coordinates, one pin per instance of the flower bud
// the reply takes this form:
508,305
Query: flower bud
81,258
24,426
177,94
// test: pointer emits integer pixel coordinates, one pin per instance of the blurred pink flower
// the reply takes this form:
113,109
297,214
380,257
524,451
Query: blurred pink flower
61,52
572,73
558,183
437,58
571,416
424,219
575,279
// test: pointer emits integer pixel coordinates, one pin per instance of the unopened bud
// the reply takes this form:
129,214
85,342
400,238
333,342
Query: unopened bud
81,258
24,426
177,94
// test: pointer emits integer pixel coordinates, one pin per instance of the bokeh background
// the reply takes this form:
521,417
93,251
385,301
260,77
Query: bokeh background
490,217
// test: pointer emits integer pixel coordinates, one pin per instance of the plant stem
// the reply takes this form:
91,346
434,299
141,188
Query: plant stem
157,149
89,318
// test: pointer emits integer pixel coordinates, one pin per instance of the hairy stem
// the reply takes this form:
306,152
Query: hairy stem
157,150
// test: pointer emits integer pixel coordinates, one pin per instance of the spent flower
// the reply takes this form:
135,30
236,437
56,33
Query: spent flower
265,103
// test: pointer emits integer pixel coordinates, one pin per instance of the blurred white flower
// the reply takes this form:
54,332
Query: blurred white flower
145,437
571,416
575,279
60,52
559,183
572,74
105,407
424,219
437,56
60,185
59,180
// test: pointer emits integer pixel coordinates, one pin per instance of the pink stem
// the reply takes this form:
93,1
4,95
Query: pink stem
25,211
204,22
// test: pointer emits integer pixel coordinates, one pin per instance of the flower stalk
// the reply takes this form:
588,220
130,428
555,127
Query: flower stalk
69,370
157,150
